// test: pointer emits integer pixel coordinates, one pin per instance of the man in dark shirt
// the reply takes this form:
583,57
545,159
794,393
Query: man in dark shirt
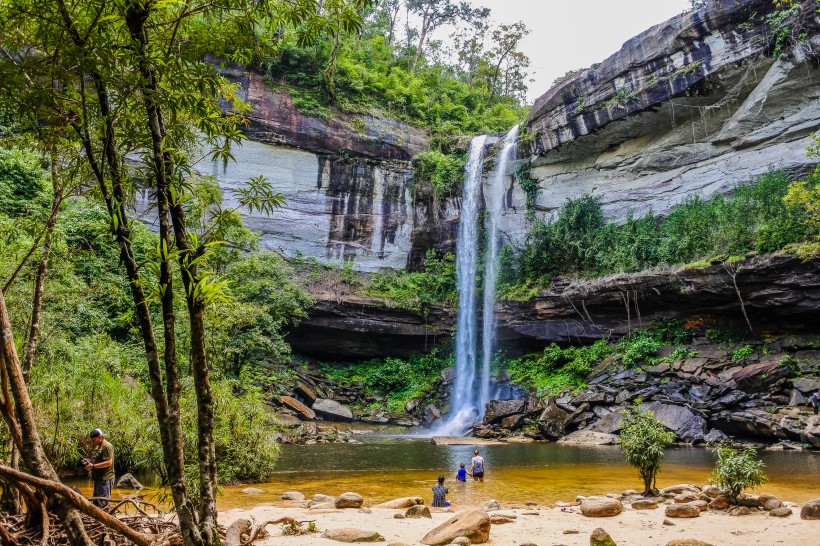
440,493
101,467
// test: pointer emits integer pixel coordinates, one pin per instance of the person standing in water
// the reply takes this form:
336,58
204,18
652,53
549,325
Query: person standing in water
461,475
477,468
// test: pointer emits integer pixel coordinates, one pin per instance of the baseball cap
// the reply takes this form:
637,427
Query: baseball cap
96,433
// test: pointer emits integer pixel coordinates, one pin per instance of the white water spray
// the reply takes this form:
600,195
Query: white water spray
469,399
494,202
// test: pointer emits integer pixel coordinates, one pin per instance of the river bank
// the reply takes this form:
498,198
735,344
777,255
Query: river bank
544,526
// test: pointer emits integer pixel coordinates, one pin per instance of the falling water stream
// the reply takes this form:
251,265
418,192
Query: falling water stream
469,398
494,201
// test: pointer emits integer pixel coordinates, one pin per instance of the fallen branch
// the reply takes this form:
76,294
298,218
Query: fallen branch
81,503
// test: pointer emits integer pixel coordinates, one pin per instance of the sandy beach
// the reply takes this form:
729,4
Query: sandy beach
547,526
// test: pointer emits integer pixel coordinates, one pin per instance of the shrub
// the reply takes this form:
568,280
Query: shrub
639,349
643,439
736,470
742,353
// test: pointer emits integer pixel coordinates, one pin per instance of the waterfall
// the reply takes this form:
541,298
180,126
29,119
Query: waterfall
464,407
469,399
494,203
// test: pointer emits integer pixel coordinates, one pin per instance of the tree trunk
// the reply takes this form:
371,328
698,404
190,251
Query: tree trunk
164,172
42,270
31,449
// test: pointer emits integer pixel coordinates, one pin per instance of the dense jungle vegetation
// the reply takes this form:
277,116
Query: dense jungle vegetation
89,371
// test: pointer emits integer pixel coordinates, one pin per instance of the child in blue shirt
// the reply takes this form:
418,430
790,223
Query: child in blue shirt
462,474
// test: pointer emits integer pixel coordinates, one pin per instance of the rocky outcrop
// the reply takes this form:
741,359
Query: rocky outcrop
780,294
360,327
692,106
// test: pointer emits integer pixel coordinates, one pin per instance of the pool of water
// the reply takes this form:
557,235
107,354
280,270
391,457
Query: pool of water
382,468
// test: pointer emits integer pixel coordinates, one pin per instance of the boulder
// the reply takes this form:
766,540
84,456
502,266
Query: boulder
701,504
599,537
719,503
759,377
332,410
318,497
684,497
589,437
740,511
473,524
601,507
679,488
687,426
127,481
807,385
491,505
349,500
512,422
301,410
811,510
352,535
430,414
293,496
399,516
682,511
715,436
306,393
365,510
644,505
253,491
496,410
500,520
418,511
401,503
782,512
553,421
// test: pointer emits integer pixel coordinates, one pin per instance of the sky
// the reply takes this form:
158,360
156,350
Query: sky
570,34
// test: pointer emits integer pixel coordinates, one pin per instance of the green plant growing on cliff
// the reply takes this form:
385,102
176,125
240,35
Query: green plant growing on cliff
442,171
638,349
557,369
742,353
737,470
643,439
435,284
529,185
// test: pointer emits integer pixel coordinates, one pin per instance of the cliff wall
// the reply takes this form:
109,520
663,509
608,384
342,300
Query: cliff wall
693,106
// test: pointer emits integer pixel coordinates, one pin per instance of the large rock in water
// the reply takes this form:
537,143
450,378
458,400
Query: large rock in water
473,524
590,438
332,410
496,410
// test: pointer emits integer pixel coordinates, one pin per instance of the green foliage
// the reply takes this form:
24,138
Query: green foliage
557,369
529,185
443,172
638,350
435,284
579,241
742,353
398,379
736,470
23,183
643,439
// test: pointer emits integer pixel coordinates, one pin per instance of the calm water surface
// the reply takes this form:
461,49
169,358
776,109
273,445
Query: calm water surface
382,468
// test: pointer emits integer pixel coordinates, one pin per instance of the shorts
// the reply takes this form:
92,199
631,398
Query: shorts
478,474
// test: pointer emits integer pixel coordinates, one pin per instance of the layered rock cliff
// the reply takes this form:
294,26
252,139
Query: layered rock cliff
693,106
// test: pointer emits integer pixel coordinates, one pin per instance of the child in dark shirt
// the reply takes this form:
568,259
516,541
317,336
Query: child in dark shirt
440,493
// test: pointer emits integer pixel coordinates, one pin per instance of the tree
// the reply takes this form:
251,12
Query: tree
504,53
736,470
437,13
127,79
643,439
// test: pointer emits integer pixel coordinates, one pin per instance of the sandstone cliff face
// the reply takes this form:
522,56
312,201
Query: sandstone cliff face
692,106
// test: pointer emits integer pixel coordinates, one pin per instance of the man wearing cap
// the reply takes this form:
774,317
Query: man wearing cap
101,466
